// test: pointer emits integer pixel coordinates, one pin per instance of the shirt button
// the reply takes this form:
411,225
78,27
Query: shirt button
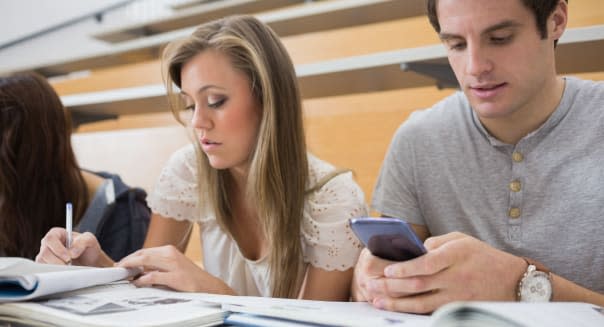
517,156
514,213
515,186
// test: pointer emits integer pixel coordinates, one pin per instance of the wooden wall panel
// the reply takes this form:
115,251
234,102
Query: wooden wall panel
142,73
130,122
313,47
354,131
585,12
305,48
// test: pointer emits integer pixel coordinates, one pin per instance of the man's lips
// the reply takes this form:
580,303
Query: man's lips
485,91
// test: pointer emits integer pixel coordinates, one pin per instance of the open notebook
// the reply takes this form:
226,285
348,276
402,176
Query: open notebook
22,279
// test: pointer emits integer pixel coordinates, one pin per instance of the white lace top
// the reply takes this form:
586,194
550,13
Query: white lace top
327,240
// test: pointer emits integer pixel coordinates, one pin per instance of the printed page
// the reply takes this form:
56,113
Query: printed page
244,319
317,312
553,314
122,306
22,279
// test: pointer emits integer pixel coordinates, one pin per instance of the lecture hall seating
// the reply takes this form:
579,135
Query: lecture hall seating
350,127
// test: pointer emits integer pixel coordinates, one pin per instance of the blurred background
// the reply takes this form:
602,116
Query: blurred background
363,66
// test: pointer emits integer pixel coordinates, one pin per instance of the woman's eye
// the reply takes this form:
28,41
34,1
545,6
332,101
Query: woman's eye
190,107
216,103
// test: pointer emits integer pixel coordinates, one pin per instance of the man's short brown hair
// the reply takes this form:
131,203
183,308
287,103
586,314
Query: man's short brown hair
541,10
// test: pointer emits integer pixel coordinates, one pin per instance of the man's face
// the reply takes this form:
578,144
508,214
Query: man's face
497,55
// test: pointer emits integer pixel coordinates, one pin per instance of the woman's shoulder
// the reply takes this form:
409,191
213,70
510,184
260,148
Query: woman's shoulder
181,164
328,239
333,192
182,155
322,173
175,193
323,176
317,169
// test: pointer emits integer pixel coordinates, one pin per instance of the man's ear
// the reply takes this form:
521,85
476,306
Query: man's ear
558,20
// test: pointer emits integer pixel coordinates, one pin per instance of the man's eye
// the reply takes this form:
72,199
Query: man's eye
501,40
457,46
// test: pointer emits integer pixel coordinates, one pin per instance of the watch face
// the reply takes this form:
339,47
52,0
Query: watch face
536,287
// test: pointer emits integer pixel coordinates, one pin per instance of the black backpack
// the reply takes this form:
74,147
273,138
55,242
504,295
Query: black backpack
122,227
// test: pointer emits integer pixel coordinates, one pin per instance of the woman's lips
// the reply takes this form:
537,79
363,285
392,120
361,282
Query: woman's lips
208,145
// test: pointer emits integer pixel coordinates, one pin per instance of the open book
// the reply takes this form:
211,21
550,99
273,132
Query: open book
254,311
461,314
122,304
22,279
251,311
518,314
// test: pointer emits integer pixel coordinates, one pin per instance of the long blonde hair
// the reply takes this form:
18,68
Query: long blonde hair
279,167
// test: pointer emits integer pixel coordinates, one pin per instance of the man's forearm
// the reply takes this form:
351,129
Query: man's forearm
567,291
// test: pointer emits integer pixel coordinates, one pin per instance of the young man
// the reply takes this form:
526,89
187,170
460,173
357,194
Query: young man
502,175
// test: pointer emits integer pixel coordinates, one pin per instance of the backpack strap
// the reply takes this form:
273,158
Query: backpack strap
100,207
139,217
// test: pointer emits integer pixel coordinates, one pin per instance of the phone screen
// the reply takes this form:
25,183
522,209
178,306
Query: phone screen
388,238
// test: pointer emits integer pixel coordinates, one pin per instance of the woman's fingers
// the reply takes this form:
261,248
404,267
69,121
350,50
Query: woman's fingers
52,247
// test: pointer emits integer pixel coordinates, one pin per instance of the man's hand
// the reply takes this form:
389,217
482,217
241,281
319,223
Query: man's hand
367,269
456,267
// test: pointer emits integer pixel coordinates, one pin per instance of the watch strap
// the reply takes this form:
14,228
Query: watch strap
537,264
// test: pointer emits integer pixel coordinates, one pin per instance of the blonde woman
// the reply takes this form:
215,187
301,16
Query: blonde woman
273,219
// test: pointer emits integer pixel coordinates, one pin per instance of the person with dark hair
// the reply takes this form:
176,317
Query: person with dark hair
39,174
503,180
273,218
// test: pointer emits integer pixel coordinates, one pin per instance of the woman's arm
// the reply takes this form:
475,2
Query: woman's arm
164,262
320,284
168,231
86,251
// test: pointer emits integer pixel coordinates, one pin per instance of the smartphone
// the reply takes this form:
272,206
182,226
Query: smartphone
388,238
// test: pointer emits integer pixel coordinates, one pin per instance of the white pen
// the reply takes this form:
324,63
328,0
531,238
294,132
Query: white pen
68,224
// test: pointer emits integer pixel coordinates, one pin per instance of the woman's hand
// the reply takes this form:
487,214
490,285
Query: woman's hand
167,266
85,249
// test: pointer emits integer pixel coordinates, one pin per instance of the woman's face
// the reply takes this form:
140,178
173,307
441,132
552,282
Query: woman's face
226,115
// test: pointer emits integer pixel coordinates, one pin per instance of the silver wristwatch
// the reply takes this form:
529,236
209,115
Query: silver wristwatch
536,283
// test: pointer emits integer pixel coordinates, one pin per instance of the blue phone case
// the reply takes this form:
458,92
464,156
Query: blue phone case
388,238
